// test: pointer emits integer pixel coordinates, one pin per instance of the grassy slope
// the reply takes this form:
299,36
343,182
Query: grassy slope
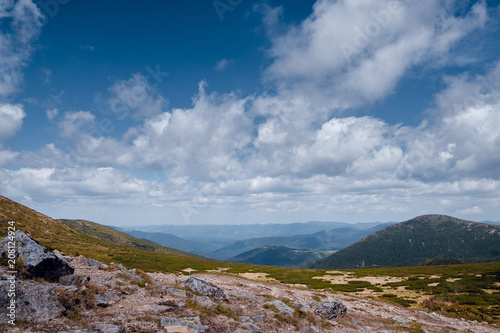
116,237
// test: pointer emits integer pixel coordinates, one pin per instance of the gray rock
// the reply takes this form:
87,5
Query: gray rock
107,328
401,320
153,308
243,294
37,260
251,327
34,302
73,279
282,307
204,288
101,301
259,318
191,322
246,319
177,292
92,263
205,302
328,310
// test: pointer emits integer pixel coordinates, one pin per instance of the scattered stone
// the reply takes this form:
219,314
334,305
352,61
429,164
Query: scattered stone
179,329
282,307
252,327
329,310
205,302
177,292
73,279
401,320
154,308
101,301
92,263
259,318
204,288
35,302
243,294
191,322
37,260
106,328
246,319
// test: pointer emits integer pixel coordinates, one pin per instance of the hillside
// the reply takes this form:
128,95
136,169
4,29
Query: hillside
411,243
111,235
112,246
325,240
279,256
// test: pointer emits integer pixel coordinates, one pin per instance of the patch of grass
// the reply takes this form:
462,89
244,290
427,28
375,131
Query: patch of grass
398,300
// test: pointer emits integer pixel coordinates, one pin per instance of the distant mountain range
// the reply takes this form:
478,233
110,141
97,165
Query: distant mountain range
323,240
415,241
334,239
199,247
280,256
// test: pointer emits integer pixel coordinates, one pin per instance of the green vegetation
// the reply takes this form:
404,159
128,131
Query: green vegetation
413,242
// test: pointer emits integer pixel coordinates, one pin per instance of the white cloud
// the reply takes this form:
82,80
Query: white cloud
135,98
11,120
223,64
52,113
74,123
15,40
471,210
356,51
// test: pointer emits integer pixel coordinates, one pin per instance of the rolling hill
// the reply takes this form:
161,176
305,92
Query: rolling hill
412,242
280,256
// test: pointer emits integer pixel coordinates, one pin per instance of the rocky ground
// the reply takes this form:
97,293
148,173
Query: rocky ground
101,298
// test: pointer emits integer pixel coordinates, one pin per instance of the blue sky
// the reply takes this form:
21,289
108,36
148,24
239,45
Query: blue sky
189,112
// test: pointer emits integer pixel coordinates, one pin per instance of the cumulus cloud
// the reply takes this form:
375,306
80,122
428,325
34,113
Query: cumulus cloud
135,98
11,120
358,50
22,22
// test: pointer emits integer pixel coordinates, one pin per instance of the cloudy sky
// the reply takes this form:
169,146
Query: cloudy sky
239,111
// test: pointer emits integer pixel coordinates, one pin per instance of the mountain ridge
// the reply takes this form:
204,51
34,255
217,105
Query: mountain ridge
424,237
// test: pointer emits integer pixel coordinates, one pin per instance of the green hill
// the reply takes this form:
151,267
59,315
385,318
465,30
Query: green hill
114,236
413,242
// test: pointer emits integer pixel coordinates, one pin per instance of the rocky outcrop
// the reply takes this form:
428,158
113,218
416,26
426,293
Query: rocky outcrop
37,260
203,288
35,301
280,306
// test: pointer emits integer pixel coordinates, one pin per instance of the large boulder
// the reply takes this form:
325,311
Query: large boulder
329,310
204,288
37,260
34,302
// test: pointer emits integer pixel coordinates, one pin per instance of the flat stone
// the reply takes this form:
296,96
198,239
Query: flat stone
179,329
282,307
205,302
177,292
191,322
